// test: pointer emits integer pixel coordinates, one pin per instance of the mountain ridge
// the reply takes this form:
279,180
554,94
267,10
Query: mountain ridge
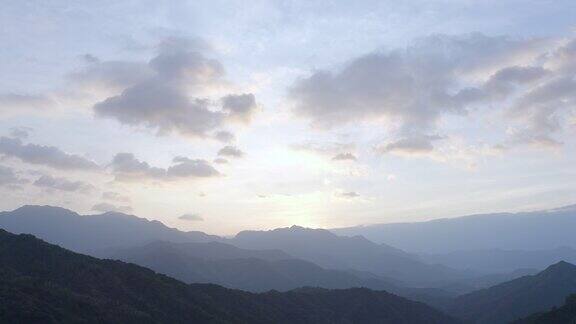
41,282
518,298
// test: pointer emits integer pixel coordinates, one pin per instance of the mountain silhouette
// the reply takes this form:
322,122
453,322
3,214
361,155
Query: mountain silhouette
92,233
499,260
100,235
43,283
340,252
251,270
518,298
539,230
562,315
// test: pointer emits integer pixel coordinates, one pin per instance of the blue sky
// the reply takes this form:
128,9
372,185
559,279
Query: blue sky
273,113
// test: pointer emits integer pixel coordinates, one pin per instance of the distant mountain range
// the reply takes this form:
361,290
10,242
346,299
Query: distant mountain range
93,233
43,283
540,230
499,261
97,235
250,270
518,298
359,261
340,252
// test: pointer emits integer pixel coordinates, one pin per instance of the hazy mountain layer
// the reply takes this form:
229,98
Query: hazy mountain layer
98,235
518,298
92,233
339,252
250,270
498,260
562,315
547,229
43,283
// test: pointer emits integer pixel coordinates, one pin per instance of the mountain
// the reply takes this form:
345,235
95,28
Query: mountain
547,229
498,260
562,315
43,283
518,298
340,252
92,233
101,235
232,267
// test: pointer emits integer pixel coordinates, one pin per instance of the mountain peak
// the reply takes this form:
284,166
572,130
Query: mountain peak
42,208
561,266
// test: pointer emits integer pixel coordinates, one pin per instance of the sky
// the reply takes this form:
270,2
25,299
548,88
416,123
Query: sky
222,116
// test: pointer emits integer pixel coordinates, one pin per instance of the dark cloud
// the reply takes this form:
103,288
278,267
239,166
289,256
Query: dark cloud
173,98
106,207
44,155
230,151
191,217
63,184
126,167
344,157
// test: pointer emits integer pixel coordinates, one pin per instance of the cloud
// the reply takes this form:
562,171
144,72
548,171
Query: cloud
176,96
126,167
62,184
9,178
114,196
20,132
410,91
220,161
109,75
13,104
191,217
44,155
224,136
240,108
420,145
344,157
231,151
323,148
106,207
349,195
